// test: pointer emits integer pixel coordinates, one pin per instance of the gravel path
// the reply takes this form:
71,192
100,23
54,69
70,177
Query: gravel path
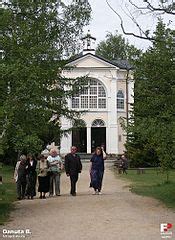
116,215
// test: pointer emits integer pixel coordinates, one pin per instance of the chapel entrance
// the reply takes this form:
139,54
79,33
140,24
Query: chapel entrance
98,134
79,136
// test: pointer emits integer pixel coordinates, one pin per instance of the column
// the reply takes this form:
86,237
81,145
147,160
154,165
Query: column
112,130
66,141
107,139
88,139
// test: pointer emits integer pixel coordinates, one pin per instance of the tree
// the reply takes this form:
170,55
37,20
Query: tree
116,47
36,37
161,6
153,118
135,9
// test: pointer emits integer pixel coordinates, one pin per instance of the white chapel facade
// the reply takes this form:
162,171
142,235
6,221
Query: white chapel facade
106,100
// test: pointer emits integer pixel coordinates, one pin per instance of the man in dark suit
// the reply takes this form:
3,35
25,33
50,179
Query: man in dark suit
73,167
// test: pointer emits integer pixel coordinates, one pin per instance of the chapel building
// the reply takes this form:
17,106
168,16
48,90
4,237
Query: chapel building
106,101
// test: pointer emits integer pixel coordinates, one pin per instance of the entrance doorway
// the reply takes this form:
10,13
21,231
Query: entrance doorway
98,134
79,136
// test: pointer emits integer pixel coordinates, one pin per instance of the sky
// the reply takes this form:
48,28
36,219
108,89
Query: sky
104,20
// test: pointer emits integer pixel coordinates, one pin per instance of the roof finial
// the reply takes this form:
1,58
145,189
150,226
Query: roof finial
88,39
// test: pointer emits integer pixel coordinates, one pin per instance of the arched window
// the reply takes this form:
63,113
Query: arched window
120,100
98,123
93,96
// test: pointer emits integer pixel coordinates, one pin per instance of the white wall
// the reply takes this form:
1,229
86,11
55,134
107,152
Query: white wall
113,79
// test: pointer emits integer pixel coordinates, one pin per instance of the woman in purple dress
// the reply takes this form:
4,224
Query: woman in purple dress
97,170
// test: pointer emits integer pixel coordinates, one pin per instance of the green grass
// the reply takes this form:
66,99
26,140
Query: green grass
154,185
7,193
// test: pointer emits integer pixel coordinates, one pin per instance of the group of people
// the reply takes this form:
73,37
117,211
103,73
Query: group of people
49,168
25,176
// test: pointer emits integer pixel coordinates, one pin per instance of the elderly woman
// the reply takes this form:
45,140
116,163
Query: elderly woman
31,176
97,170
56,166
43,177
20,177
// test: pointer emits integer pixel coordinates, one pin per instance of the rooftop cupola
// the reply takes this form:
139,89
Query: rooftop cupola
88,43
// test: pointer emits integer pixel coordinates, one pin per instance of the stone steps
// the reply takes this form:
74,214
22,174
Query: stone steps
85,157
106,161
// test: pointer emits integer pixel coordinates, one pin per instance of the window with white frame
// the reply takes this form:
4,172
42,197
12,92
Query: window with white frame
84,101
93,96
120,100
75,102
98,123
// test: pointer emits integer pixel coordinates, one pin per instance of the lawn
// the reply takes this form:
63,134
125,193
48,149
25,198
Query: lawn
153,184
7,193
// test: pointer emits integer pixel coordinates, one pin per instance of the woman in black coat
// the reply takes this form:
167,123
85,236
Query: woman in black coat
31,176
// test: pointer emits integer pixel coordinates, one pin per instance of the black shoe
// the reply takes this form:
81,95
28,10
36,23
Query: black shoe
74,194
40,197
44,197
19,198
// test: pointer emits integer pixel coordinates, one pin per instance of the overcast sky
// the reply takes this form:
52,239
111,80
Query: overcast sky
105,20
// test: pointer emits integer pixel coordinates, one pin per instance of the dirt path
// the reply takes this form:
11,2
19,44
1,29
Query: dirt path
116,215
